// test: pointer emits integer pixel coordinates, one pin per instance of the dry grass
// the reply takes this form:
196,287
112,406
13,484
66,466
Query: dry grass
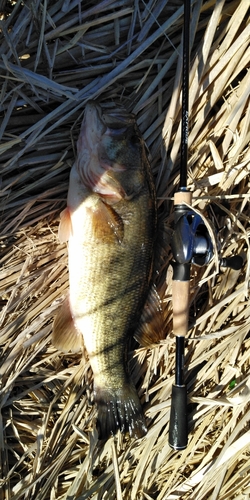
54,57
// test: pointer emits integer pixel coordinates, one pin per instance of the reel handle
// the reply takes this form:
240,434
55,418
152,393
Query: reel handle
235,262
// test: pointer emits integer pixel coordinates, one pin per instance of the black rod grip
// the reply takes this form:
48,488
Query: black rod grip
178,425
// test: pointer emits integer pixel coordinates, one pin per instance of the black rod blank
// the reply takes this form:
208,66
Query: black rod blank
185,96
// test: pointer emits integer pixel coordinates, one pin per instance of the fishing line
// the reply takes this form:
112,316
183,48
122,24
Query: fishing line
159,26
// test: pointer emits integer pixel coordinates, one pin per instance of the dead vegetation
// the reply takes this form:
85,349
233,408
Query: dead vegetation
54,57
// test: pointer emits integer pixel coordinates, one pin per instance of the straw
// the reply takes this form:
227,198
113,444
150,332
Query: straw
55,56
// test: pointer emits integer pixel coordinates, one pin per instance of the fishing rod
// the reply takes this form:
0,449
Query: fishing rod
191,244
178,425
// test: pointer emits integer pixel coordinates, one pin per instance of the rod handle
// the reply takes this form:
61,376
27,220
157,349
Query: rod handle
178,425
180,297
181,197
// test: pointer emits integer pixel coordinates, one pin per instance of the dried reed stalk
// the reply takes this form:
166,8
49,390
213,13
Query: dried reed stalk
54,57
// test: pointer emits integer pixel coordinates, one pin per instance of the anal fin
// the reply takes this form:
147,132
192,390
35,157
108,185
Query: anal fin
151,326
65,336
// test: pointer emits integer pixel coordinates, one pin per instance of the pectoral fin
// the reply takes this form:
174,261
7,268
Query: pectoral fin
107,225
65,226
65,336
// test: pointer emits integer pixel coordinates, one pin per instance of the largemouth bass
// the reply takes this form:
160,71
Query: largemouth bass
110,223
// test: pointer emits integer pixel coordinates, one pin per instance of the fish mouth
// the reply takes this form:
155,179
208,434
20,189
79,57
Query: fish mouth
117,119
108,121
93,119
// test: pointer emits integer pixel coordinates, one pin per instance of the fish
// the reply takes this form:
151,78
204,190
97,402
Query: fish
110,225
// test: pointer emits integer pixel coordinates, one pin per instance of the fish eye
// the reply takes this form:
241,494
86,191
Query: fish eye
135,140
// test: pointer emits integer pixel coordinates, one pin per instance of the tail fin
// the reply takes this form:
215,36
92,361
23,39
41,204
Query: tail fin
119,409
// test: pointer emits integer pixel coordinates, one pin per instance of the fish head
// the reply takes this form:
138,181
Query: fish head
92,127
111,153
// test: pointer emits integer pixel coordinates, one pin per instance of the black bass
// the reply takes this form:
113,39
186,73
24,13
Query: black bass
110,223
